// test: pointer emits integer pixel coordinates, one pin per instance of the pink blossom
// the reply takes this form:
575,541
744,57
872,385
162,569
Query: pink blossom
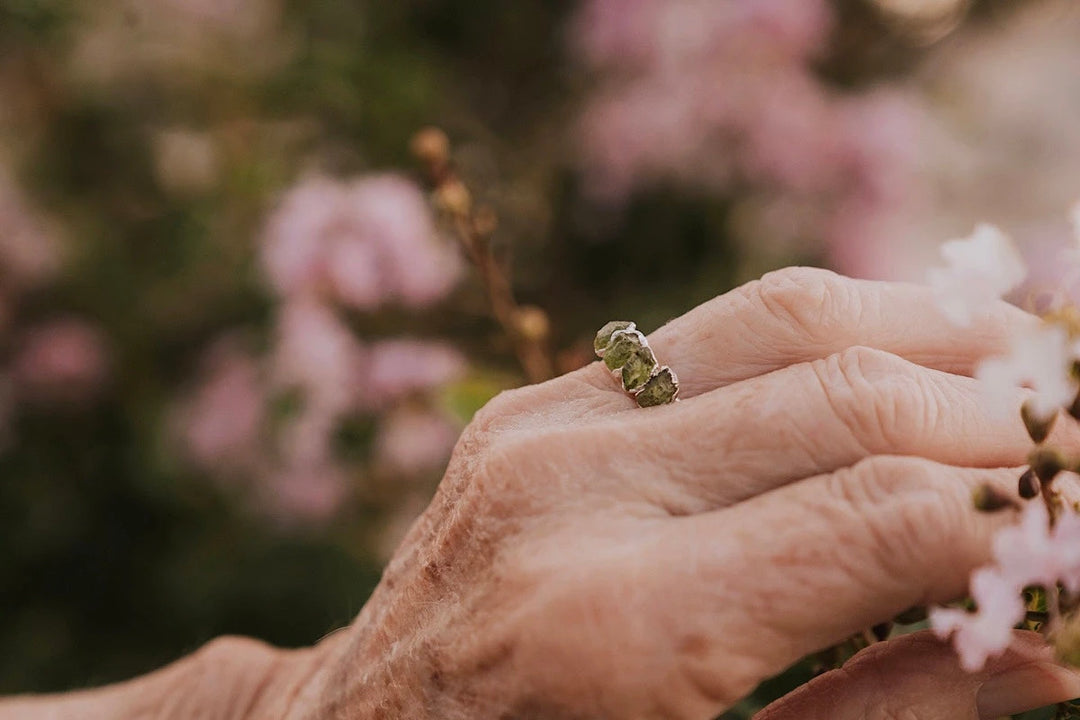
221,425
411,441
1028,553
64,359
980,635
306,482
638,35
708,92
363,243
978,117
29,253
317,354
396,368
1040,358
979,270
307,494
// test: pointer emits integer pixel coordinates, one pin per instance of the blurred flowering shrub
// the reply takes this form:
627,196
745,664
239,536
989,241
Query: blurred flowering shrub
726,96
238,336
273,421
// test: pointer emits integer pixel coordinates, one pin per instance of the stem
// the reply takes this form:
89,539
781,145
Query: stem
531,353
529,339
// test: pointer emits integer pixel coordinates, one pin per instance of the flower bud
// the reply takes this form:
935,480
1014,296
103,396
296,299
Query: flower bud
1046,463
453,197
431,146
988,498
532,323
1038,428
1028,486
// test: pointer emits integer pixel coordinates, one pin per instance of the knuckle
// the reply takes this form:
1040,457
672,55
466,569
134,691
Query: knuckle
517,474
498,410
902,510
809,301
887,403
234,649
878,479
229,674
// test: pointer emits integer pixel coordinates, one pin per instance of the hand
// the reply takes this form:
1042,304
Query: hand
586,558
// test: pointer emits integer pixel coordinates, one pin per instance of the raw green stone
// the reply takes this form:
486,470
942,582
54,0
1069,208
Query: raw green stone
604,336
624,343
660,390
638,369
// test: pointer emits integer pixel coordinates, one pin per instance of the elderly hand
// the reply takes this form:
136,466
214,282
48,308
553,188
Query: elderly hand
586,558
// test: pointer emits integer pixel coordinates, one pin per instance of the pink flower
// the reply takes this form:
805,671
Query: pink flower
988,632
221,426
29,253
318,355
65,359
305,482
1040,358
1028,553
411,441
980,269
304,494
396,368
709,92
364,243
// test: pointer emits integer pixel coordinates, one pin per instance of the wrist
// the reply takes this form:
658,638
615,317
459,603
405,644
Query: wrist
228,679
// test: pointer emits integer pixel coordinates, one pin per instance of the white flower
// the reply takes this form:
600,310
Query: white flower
1028,553
1039,358
979,269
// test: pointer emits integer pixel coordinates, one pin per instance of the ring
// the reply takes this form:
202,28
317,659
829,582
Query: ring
626,352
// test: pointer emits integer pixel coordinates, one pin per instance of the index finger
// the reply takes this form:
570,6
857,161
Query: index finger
802,314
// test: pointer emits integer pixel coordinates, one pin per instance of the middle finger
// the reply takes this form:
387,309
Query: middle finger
813,418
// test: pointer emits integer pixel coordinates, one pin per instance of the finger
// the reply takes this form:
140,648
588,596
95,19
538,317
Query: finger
918,677
813,418
801,568
800,314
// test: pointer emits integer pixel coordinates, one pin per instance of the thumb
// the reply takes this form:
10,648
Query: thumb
918,677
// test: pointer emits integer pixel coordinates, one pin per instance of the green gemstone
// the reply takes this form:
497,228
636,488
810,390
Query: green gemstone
638,369
624,343
604,336
661,389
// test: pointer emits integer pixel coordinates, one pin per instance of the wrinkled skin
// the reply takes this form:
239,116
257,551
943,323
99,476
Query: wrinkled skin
586,558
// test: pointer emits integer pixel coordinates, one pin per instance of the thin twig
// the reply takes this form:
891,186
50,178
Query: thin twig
526,327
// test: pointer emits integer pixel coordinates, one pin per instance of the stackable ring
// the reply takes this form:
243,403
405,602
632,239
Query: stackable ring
626,352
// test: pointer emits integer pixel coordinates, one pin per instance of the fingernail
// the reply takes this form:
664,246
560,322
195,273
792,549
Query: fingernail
1025,688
